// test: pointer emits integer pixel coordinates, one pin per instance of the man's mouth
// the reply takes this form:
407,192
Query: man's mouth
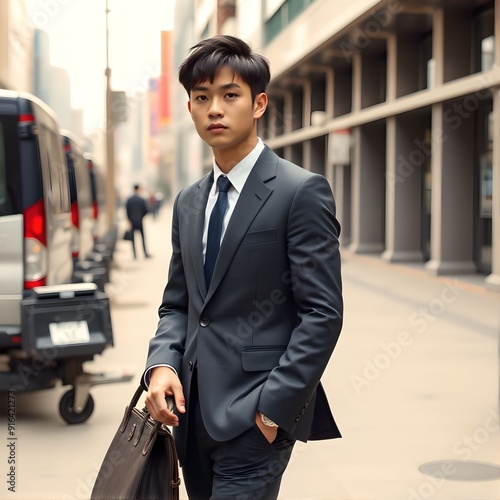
216,126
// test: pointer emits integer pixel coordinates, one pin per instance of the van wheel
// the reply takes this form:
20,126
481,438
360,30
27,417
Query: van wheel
67,412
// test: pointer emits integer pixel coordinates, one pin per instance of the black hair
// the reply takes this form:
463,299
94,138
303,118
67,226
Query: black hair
207,57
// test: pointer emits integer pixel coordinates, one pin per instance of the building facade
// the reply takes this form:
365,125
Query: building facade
16,47
397,103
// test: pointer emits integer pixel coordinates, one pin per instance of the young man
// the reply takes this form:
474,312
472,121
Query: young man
246,329
137,208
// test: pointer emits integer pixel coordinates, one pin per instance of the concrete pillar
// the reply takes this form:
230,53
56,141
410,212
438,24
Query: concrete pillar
330,82
405,156
272,113
285,117
493,280
341,186
356,82
306,155
368,186
392,67
438,46
452,163
287,111
497,33
307,103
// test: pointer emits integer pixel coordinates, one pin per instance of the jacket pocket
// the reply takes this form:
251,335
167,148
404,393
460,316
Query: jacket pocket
261,358
256,237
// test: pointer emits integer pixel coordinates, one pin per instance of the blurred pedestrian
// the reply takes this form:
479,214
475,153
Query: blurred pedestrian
245,333
137,207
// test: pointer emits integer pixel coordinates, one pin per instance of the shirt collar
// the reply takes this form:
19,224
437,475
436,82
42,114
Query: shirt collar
238,175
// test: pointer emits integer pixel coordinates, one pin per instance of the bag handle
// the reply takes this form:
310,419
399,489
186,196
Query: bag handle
133,404
130,407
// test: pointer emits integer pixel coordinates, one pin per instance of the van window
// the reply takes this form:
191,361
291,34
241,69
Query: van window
10,187
51,154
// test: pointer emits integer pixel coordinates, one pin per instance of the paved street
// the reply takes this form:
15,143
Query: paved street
413,380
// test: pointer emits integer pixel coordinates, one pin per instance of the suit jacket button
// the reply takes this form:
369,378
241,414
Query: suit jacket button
297,419
306,405
302,411
190,366
204,321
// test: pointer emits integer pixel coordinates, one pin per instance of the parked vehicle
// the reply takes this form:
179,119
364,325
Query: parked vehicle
104,236
35,217
49,327
81,200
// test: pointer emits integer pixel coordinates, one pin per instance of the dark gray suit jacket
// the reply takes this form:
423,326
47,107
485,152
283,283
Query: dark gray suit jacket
262,334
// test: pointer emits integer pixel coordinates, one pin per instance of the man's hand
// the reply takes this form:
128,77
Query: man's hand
270,433
165,382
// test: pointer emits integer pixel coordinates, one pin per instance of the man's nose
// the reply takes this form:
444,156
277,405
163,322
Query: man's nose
216,108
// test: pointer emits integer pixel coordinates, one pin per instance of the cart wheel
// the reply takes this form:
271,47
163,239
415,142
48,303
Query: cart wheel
66,408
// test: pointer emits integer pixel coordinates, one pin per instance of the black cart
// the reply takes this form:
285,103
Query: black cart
63,327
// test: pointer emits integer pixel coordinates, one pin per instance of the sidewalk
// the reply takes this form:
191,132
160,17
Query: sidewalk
413,380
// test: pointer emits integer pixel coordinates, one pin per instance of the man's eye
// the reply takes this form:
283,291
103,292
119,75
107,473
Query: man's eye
231,95
201,98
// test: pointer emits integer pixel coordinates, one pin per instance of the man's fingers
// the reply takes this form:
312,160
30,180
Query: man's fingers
164,383
180,402
157,407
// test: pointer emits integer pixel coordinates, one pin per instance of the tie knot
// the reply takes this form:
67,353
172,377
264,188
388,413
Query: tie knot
223,183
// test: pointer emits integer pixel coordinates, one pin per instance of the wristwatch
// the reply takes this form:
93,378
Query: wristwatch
267,421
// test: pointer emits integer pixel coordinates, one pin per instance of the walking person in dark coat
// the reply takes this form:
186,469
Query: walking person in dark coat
137,208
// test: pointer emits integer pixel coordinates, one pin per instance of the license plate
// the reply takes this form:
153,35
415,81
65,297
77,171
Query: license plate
69,332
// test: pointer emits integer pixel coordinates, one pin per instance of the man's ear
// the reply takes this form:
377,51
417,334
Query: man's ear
189,106
260,105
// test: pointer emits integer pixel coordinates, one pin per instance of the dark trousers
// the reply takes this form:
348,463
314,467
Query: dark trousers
141,230
247,467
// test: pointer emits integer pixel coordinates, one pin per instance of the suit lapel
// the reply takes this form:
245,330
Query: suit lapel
197,207
252,198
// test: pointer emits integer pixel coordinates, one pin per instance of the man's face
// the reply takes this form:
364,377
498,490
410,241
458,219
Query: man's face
223,111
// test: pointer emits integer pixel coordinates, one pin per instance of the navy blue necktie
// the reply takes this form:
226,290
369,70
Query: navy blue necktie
215,228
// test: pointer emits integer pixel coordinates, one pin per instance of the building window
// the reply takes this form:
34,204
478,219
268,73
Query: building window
484,41
274,25
288,11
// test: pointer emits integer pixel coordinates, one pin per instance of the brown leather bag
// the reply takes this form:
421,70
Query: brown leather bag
141,462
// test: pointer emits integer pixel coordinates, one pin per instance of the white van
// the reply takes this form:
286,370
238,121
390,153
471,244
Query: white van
35,217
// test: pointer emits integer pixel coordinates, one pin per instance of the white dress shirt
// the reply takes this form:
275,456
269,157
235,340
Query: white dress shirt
238,175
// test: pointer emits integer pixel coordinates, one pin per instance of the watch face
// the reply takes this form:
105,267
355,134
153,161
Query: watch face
267,421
